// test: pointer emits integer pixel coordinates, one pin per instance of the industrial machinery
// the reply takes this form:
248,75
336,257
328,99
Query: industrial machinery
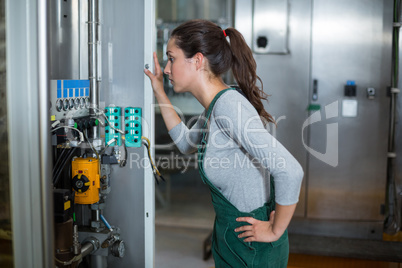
93,177
82,172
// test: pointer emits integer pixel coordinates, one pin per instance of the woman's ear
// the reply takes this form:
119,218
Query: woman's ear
199,60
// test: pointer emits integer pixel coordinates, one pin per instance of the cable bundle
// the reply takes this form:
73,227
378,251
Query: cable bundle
158,176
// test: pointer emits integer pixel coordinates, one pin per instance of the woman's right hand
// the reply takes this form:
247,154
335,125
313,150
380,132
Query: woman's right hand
168,112
156,78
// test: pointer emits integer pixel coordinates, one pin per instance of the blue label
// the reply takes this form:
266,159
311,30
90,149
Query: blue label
58,84
87,92
71,93
77,92
58,93
68,83
81,92
65,93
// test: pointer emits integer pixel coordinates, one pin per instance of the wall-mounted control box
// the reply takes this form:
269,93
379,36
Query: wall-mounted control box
69,99
133,126
113,114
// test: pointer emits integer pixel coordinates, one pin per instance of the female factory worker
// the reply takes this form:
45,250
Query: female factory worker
236,153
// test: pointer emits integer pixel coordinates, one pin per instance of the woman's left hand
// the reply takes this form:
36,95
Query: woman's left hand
259,231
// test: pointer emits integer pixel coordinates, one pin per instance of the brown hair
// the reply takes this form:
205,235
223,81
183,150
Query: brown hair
209,39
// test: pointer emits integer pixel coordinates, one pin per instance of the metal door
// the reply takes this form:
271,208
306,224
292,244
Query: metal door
128,40
351,40
285,76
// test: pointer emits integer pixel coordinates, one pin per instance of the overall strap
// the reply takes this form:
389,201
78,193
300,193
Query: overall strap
203,145
221,204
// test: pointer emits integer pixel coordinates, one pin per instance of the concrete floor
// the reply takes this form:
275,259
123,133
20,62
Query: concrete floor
180,247
185,219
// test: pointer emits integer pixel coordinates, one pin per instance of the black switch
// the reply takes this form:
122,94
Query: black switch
262,41
350,90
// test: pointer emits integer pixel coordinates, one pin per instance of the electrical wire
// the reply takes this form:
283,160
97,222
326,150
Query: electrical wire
56,176
62,165
93,149
111,126
59,159
124,161
108,144
81,134
155,170
148,145
153,167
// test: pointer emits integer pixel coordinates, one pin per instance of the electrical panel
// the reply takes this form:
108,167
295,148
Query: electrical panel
133,127
113,115
69,99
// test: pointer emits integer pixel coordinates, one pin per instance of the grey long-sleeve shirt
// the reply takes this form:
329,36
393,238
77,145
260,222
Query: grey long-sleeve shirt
241,154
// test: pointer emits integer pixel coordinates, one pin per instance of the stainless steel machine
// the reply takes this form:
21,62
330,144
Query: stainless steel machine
327,67
77,69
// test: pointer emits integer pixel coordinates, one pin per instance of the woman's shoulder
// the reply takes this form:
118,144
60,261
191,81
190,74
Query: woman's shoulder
231,101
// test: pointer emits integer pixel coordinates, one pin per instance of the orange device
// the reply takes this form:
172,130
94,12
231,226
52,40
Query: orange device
85,181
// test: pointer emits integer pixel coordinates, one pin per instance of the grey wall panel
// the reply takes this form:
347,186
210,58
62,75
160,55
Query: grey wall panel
64,39
123,85
285,78
351,41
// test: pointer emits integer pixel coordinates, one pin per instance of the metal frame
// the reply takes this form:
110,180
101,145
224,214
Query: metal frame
149,116
29,138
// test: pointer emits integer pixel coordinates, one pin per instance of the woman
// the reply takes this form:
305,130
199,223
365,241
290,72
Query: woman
254,181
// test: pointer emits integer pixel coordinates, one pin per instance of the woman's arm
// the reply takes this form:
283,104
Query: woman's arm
186,140
169,114
267,231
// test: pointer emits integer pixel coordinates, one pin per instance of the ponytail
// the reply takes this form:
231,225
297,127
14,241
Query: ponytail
244,71
209,39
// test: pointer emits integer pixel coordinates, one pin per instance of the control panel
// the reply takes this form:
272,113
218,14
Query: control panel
69,99
132,121
113,115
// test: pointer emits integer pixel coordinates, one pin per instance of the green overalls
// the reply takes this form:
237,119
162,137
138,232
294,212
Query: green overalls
229,250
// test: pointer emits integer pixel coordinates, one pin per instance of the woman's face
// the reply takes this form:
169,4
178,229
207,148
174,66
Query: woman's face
179,68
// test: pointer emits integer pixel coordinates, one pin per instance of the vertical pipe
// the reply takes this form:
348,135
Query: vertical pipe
44,139
392,224
95,215
93,21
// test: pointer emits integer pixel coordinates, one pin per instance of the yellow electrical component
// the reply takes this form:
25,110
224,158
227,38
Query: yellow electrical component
85,180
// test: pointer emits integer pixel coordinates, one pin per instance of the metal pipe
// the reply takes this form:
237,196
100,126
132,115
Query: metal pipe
86,249
106,223
76,244
95,215
93,40
44,135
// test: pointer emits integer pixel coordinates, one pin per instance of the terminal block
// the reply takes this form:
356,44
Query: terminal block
133,126
113,114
